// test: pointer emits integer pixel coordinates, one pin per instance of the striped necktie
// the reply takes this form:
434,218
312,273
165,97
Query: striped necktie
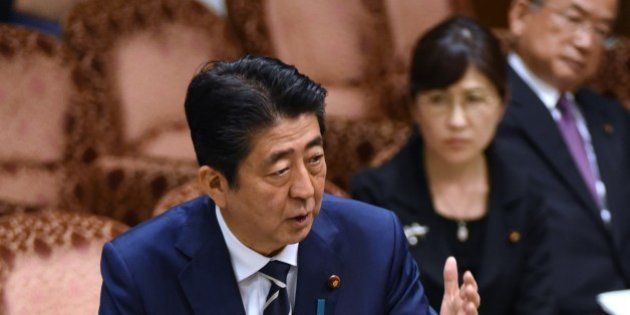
277,302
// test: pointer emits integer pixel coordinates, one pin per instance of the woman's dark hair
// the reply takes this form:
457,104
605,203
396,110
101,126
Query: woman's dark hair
229,102
445,52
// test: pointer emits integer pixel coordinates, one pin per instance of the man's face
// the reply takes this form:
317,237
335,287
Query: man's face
280,185
562,40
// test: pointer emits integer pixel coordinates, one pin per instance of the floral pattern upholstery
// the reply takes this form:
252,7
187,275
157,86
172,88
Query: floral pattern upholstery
136,58
340,44
47,257
39,115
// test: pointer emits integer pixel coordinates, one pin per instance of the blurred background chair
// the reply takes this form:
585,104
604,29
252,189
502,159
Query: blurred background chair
353,145
49,262
613,78
341,44
407,20
38,115
136,59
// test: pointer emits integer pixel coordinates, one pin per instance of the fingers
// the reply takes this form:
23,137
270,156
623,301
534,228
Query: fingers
469,278
451,285
469,294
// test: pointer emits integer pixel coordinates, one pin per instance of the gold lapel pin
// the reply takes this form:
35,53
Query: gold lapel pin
334,282
514,237
609,129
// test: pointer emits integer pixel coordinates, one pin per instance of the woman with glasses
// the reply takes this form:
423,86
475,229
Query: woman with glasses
451,189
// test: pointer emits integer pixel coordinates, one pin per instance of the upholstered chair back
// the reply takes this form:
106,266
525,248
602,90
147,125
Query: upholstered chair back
613,78
407,21
137,58
355,145
49,262
37,117
341,44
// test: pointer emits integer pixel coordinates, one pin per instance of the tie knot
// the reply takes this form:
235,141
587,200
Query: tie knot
276,270
564,104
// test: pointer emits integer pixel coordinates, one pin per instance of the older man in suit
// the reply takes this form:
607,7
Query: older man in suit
266,239
573,142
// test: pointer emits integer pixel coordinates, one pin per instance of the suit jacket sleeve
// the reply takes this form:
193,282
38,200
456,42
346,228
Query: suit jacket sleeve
406,294
118,292
535,286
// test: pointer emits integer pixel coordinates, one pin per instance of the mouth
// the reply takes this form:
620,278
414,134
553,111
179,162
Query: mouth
456,142
574,64
300,221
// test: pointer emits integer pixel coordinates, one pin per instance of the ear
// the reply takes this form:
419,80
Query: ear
214,184
519,10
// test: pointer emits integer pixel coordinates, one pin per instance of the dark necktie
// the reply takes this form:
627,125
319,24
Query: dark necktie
277,300
568,128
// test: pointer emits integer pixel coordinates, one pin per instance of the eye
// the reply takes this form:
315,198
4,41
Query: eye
602,31
437,99
316,159
281,172
475,98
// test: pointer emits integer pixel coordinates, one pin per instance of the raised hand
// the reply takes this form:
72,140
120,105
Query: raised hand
464,300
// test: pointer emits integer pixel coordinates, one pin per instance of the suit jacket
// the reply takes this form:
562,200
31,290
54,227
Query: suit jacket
178,263
513,276
587,256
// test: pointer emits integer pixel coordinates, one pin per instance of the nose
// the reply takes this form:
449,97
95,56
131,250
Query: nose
585,38
302,186
457,117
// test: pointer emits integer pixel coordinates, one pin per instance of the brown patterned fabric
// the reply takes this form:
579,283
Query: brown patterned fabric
177,195
341,44
49,261
38,115
353,145
613,78
128,188
191,190
136,58
407,21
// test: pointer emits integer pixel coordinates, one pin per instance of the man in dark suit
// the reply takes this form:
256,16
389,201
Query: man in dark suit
266,239
573,142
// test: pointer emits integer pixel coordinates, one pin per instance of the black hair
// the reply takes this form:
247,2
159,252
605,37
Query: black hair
442,56
228,102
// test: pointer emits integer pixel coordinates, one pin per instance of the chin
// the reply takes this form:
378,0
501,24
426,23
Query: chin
458,157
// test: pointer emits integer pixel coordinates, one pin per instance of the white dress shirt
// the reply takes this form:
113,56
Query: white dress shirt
549,95
246,264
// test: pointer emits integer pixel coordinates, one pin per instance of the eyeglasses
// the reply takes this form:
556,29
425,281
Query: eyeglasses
472,104
572,22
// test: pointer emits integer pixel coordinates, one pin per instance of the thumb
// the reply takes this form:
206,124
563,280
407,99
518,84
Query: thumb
451,285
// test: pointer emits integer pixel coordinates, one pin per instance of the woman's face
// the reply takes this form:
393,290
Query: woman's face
457,123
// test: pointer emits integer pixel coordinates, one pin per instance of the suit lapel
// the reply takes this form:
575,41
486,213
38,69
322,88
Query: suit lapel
318,259
542,131
411,192
604,144
504,194
208,279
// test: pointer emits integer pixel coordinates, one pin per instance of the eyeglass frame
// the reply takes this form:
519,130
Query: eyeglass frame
573,24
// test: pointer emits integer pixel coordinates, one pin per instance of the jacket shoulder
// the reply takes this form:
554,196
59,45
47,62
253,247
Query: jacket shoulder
158,232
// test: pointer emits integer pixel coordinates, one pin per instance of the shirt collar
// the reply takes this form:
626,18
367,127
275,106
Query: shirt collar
548,94
246,261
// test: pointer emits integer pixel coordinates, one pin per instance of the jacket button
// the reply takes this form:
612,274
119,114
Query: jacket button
334,282
515,236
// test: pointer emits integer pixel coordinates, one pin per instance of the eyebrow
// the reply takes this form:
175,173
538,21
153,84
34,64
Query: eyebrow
279,155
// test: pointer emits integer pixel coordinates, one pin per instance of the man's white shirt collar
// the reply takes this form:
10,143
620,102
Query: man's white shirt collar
548,94
246,261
